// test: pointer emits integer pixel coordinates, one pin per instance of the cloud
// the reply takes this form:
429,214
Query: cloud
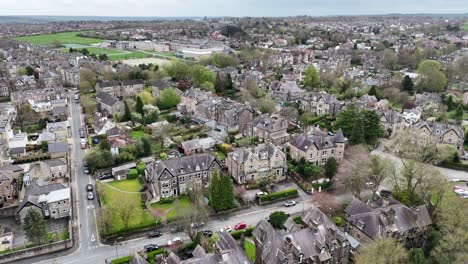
227,8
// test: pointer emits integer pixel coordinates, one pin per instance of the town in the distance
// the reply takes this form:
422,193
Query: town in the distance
235,140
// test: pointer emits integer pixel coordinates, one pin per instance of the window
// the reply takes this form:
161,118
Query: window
332,151
64,210
53,212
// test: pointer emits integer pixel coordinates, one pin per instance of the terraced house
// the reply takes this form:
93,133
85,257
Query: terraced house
252,164
321,103
440,133
318,147
173,177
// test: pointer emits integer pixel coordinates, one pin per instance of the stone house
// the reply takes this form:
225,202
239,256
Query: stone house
286,91
318,147
4,87
253,164
58,149
175,176
320,241
387,217
120,172
101,125
52,200
321,103
108,104
56,168
191,98
157,87
60,129
122,89
37,95
391,121
269,128
440,133
197,145
233,115
9,183
130,88
109,87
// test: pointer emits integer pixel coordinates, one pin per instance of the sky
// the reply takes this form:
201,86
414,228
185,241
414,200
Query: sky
238,8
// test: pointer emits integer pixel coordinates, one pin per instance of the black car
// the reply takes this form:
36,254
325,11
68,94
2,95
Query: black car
154,234
207,233
151,247
89,187
86,169
105,176
81,132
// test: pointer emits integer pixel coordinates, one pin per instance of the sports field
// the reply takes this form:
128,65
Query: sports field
63,38
96,50
465,26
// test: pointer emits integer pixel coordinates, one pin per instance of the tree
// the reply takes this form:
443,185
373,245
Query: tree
459,113
390,59
326,203
371,125
416,256
311,78
146,146
346,120
221,192
379,170
307,119
105,218
85,51
228,85
330,167
88,80
125,209
201,75
311,171
431,77
277,219
25,114
354,170
104,145
139,106
384,250
219,83
290,113
127,114
30,70
372,91
34,226
169,99
266,105
99,159
407,85
103,57
357,136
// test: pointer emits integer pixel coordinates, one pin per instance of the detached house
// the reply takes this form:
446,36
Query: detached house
175,176
269,129
440,133
262,161
109,105
321,103
318,148
101,125
387,217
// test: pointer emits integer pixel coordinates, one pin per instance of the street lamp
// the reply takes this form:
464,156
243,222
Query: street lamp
116,253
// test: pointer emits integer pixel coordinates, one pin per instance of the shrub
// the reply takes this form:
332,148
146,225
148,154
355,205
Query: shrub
152,254
324,185
338,221
278,195
254,185
133,174
298,220
123,260
163,156
249,230
237,234
168,200
141,167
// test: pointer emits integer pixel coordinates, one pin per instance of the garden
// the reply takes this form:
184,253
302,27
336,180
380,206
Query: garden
168,208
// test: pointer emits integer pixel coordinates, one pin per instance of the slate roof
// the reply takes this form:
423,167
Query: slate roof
106,98
323,141
58,147
443,128
38,188
270,123
138,259
18,150
184,165
54,162
160,84
373,219
260,152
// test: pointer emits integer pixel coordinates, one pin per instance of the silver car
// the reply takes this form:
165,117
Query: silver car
90,195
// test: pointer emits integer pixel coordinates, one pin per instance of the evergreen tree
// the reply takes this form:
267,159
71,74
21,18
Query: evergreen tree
449,103
459,113
127,115
146,146
371,125
228,86
104,145
357,136
227,192
407,85
34,226
416,256
330,167
372,91
215,191
347,119
139,106
219,83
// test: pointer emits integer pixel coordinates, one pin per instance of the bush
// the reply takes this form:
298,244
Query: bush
278,195
254,185
236,234
338,221
123,260
298,220
249,230
153,254
168,200
141,167
133,174
324,185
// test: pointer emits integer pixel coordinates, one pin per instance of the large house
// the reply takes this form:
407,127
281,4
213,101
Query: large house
321,241
175,176
440,133
321,103
318,148
269,129
109,104
387,217
252,164
122,89
52,200
9,176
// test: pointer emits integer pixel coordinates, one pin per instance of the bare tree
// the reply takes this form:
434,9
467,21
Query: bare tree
161,133
190,218
325,202
105,219
354,169
380,168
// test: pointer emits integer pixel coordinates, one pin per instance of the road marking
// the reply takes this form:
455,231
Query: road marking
91,206
92,238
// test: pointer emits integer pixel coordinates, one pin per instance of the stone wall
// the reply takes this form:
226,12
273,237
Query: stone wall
36,251
8,211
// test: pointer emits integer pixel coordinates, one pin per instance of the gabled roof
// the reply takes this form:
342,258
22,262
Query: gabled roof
107,99
58,147
183,165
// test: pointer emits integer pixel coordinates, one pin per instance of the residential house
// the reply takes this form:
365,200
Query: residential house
46,136
191,98
59,112
197,145
122,89
130,88
175,176
51,200
158,87
253,164
411,116
101,125
60,129
109,87
17,145
321,241
321,103
226,250
386,216
4,87
25,82
269,128
318,147
116,145
37,95
286,91
391,121
9,179
440,133
56,168
58,149
109,105
120,172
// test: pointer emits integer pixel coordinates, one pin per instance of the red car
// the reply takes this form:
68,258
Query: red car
240,226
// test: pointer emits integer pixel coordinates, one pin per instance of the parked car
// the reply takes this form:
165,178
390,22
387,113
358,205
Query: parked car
227,229
151,247
260,194
83,143
81,132
289,203
90,195
207,233
105,176
86,169
197,225
175,240
89,187
240,226
153,234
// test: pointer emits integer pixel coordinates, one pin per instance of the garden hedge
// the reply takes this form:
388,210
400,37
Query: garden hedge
278,195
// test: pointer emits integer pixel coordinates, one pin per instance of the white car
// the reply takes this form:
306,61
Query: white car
227,228
260,194
174,241
289,203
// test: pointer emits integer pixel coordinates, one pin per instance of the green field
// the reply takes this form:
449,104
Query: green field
465,26
129,55
63,38
97,50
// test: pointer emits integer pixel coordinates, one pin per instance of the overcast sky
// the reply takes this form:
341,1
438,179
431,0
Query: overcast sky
227,7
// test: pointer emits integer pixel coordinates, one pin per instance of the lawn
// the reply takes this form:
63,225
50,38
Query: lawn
137,134
127,185
111,197
183,203
129,55
465,26
250,250
97,50
63,38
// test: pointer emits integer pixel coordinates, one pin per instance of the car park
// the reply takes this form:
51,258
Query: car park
240,226
89,187
90,195
153,234
151,247
289,203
